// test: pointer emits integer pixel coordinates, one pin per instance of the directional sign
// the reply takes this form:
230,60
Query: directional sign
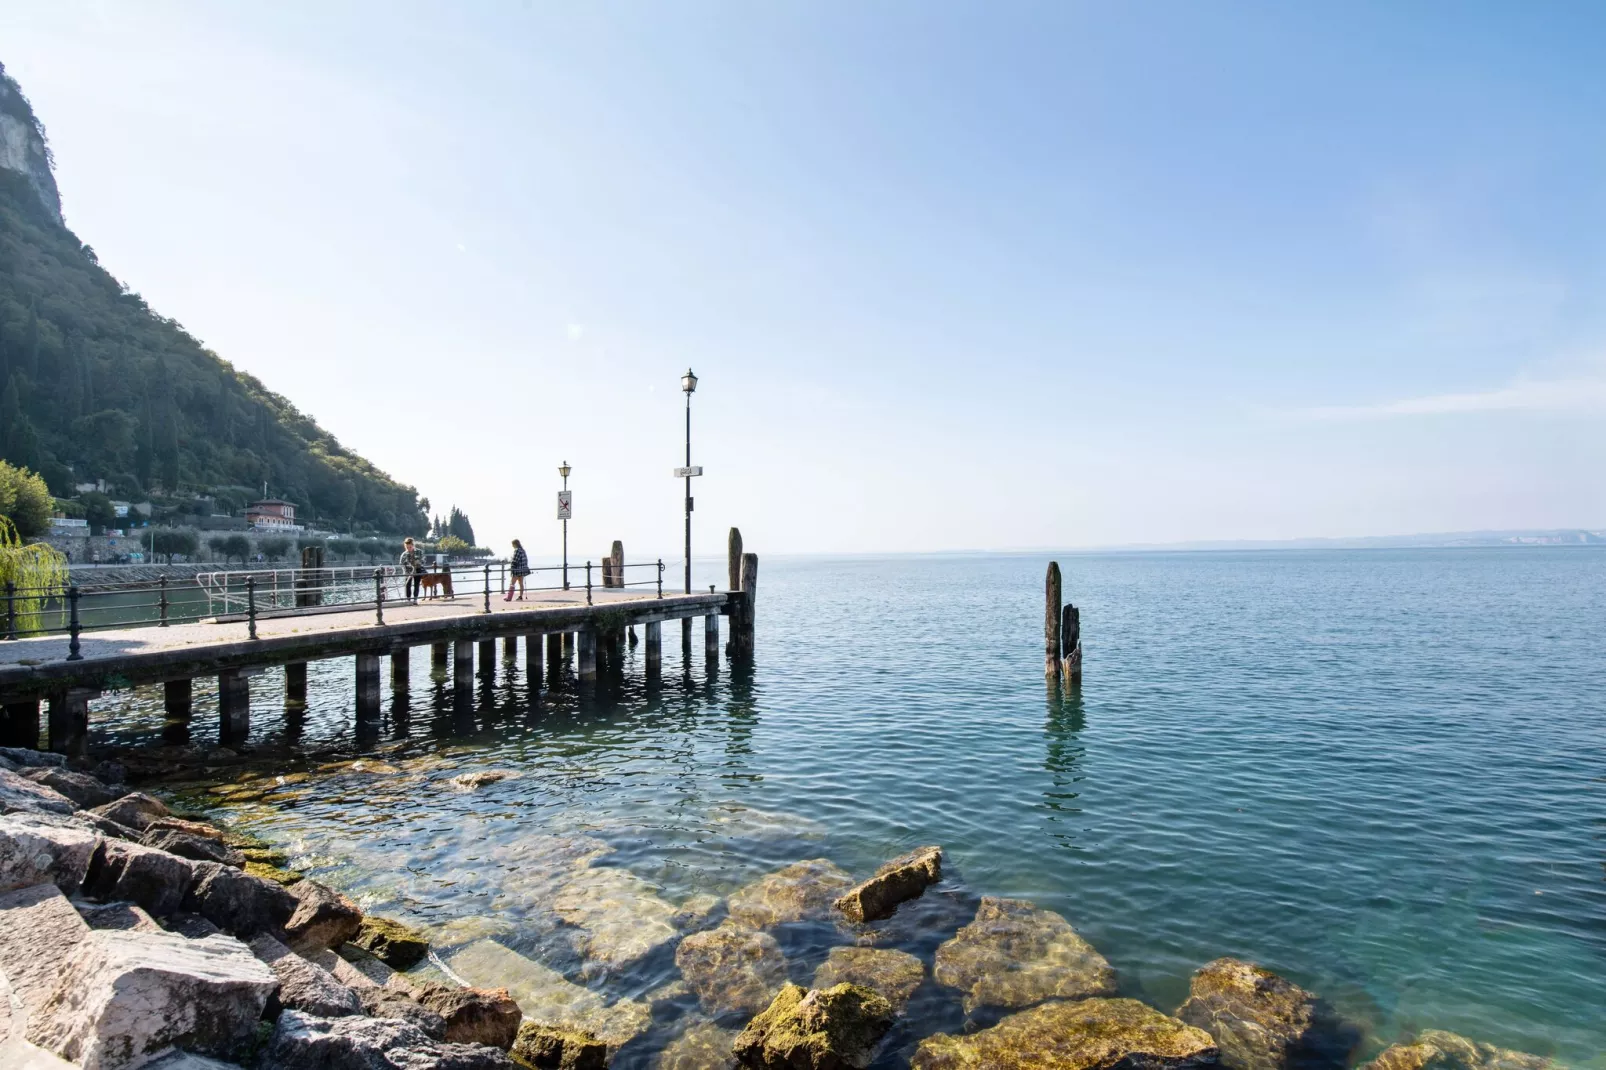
565,505
682,473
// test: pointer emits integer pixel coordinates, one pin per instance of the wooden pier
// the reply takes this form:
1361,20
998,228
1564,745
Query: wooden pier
578,623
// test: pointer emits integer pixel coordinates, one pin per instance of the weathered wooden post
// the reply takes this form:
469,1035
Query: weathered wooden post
69,721
1052,597
588,656
400,668
20,727
733,559
1071,643
743,615
463,666
613,569
532,662
367,685
234,706
295,685
655,650
309,580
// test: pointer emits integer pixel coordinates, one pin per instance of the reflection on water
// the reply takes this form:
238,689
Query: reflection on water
1375,772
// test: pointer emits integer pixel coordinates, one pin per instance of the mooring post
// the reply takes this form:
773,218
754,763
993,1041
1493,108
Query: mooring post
69,722
1071,643
487,588
367,685
463,664
488,659
733,559
251,606
73,653
161,604
178,704
234,706
20,726
1052,599
655,650
532,661
400,668
295,685
711,640
588,656
379,597
744,619
660,577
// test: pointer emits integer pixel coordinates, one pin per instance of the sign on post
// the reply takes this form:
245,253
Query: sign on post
683,473
565,505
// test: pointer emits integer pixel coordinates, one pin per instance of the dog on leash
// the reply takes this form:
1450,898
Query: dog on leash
435,584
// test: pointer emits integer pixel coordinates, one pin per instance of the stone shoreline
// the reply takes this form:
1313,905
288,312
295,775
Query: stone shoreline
132,936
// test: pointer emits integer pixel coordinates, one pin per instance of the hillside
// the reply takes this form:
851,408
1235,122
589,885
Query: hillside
94,384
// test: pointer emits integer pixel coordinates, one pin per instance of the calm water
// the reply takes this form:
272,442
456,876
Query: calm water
1377,772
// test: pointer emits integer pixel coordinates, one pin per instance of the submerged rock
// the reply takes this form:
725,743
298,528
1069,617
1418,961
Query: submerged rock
703,1046
34,759
34,850
905,877
19,794
732,968
544,1047
286,878
474,1015
1435,1049
1260,1020
802,891
1091,1034
698,913
835,1028
546,996
894,975
1015,954
622,915
307,1042
391,942
84,790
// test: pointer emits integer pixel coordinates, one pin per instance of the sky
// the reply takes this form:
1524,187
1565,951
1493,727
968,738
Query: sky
952,276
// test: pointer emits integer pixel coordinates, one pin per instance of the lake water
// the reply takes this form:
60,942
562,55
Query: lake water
1379,773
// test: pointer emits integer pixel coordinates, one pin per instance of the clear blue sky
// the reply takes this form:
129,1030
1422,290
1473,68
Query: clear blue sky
954,275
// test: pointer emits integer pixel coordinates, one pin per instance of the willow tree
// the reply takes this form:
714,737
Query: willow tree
36,573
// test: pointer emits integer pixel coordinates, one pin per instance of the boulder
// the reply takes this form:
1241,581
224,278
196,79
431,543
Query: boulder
285,878
391,942
698,913
323,918
802,891
124,916
138,874
546,996
194,828
732,968
621,916
905,877
124,995
545,1047
703,1046
307,1042
136,810
19,794
39,930
191,925
22,757
303,985
191,846
83,789
34,850
835,1028
237,902
893,975
105,826
388,1003
356,968
111,773
183,1060
1259,1020
1091,1034
1014,954
1435,1049
474,1015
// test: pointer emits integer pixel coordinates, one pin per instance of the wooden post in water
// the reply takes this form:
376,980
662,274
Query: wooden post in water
1052,598
1071,643
510,648
234,706
613,568
309,581
367,685
554,653
400,668
588,656
463,665
20,725
69,722
733,560
295,685
488,658
177,705
532,662
655,650
743,616
711,641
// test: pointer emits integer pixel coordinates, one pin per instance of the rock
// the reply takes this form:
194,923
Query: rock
544,1047
893,975
546,996
356,968
703,1046
388,1003
800,892
128,917
835,1028
105,826
23,757
266,856
732,968
1435,1049
183,1060
194,828
478,779
905,877
39,930
196,848
622,916
285,878
34,850
698,913
474,1015
136,810
191,925
83,789
109,772
123,995
1014,954
1259,1020
303,985
323,918
134,873
307,1042
19,794
1091,1034
391,942
237,902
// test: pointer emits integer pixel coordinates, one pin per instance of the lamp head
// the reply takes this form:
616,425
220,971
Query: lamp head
688,382
564,469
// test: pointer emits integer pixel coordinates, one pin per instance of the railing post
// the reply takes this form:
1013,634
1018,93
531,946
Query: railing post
588,583
162,603
251,605
11,611
73,653
379,596
487,588
660,577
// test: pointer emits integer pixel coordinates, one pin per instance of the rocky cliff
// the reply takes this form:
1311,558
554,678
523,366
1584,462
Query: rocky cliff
23,148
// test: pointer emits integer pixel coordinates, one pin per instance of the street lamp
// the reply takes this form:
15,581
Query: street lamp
565,510
688,383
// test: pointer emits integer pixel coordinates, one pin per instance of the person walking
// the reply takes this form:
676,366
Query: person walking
412,566
519,569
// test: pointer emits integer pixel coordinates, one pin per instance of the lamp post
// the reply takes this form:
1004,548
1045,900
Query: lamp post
565,509
688,383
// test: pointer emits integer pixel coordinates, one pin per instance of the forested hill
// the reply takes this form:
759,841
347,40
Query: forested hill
96,385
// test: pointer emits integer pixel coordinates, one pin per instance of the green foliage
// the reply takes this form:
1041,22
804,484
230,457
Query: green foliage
274,549
230,546
172,541
455,524
24,500
92,378
99,511
344,548
451,544
38,572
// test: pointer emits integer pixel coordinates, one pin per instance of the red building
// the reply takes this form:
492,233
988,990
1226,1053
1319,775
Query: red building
272,514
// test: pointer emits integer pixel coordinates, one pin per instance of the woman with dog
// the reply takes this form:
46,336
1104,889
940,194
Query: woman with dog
412,565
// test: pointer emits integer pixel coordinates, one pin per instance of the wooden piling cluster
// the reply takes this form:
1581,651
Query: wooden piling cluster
1062,631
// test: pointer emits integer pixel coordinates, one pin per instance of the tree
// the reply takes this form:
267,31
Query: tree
274,549
452,546
172,541
37,570
236,546
343,548
219,544
24,500
99,511
457,524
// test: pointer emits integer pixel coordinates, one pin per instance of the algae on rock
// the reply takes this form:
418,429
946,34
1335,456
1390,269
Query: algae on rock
1014,954
835,1028
1089,1034
802,891
1435,1049
1262,1021
894,975
732,968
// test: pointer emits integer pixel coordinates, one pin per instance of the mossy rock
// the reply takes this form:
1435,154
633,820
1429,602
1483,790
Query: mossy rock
1089,1034
286,877
1435,1049
1014,954
396,945
546,1047
835,1028
265,855
732,968
894,975
802,891
1262,1021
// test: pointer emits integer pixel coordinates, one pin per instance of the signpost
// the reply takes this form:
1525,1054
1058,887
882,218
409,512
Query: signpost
687,473
565,505
565,511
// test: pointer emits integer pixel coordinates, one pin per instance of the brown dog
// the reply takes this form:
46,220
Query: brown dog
435,584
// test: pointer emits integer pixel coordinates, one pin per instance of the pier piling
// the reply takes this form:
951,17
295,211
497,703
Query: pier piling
69,722
711,640
19,726
1052,597
733,559
178,705
400,668
655,650
295,685
510,648
438,657
532,661
463,665
234,706
1071,643
367,685
488,659
588,656
554,653
744,614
